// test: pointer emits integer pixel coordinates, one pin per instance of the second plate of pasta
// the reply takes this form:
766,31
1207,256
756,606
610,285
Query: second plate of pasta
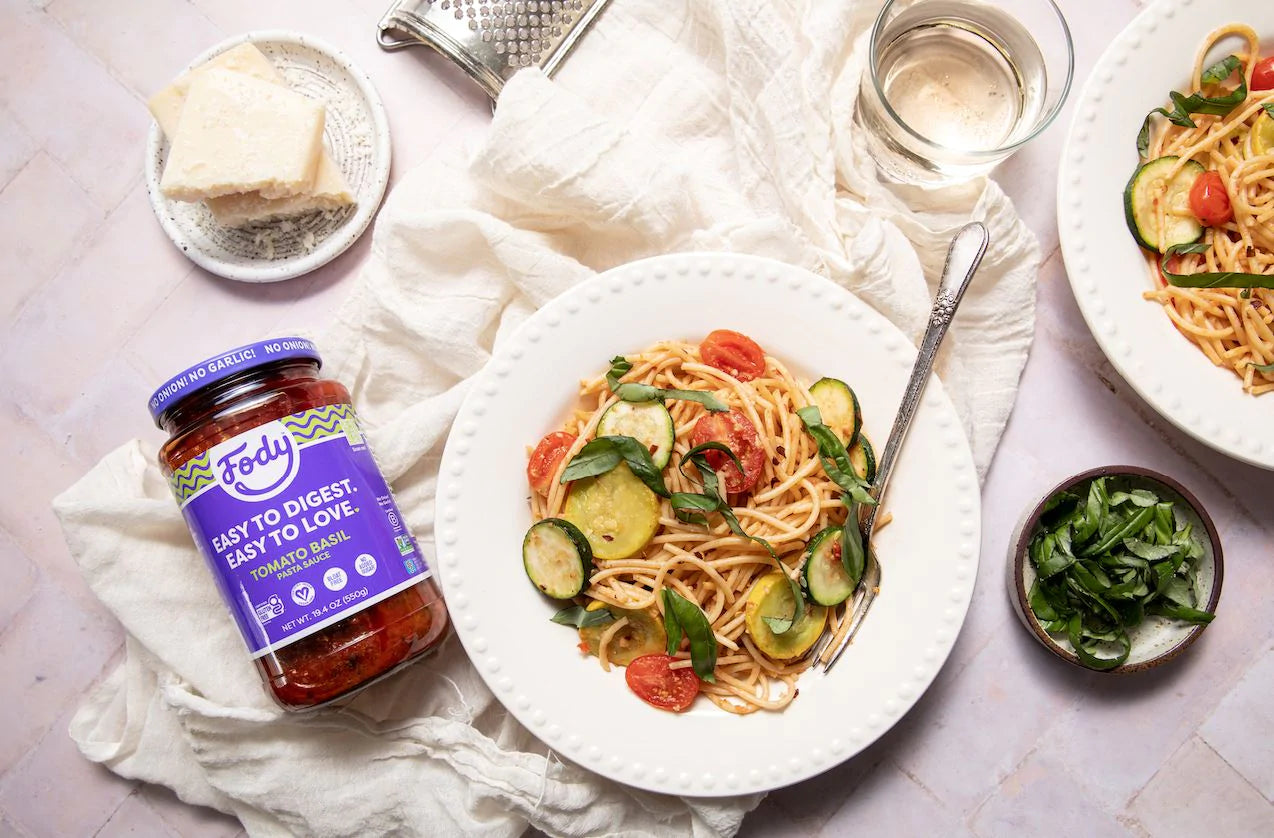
1197,205
589,461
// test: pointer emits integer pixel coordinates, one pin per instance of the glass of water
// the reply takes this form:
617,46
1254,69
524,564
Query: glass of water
953,87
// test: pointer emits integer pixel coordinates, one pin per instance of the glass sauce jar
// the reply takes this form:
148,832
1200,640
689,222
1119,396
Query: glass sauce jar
282,496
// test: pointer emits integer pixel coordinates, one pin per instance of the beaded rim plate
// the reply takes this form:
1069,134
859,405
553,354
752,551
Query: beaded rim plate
1151,56
357,137
929,551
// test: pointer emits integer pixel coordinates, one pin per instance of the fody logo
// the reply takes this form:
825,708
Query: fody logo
257,465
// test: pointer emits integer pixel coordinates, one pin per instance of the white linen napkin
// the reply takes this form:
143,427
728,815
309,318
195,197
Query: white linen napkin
720,125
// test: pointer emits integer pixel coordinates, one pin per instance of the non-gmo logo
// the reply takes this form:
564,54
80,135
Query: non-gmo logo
257,465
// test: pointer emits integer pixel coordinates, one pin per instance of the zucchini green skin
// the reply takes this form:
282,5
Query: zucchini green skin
824,577
863,456
557,558
1144,187
649,423
838,405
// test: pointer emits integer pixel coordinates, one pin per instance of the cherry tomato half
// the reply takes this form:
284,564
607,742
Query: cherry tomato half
656,683
734,354
1209,201
1263,74
738,433
545,457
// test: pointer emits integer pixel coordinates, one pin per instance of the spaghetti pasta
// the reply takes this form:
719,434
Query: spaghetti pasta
1231,326
709,565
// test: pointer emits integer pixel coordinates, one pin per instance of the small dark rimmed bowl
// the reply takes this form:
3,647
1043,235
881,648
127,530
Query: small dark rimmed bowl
1156,640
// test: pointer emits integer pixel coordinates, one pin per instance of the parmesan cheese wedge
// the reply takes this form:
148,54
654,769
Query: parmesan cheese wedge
236,210
166,105
240,134
330,192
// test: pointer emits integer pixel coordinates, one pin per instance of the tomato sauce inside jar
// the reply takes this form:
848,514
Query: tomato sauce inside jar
284,500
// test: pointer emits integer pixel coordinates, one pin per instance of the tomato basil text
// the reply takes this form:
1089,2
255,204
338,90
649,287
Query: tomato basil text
279,489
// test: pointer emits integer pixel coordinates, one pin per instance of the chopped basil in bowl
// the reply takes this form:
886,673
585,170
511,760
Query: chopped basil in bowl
1117,569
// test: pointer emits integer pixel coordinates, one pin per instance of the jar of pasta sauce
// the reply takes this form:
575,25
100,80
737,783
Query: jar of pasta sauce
282,496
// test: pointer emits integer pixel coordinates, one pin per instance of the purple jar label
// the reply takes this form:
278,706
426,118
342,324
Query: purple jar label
297,524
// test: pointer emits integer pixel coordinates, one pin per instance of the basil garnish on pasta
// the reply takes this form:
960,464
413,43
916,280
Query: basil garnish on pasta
1225,279
1183,106
600,455
837,465
682,615
834,457
692,508
635,392
580,617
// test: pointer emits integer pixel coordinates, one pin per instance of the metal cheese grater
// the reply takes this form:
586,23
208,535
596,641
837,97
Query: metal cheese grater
491,39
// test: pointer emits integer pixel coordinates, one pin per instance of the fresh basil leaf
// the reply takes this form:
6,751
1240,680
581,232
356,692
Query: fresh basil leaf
1180,612
1268,107
1088,646
1221,70
672,626
690,618
1049,560
580,617
1039,603
1268,369
853,553
1226,279
1135,524
1150,552
1138,497
1183,106
600,455
619,367
635,392
834,458
690,507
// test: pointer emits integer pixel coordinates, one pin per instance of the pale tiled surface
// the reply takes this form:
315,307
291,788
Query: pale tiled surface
1007,741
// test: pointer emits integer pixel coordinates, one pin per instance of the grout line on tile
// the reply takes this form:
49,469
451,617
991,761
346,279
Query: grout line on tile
120,805
112,661
12,826
88,53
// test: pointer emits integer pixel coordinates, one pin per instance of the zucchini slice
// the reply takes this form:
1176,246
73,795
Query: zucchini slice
649,423
1147,190
824,576
615,511
644,635
557,558
838,405
863,456
772,597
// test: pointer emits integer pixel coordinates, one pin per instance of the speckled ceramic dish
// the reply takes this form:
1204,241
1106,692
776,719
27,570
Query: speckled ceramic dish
1156,640
357,137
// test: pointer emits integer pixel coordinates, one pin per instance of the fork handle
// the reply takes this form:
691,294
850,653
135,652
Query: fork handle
963,257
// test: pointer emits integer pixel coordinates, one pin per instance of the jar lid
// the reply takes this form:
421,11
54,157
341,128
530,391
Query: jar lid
220,367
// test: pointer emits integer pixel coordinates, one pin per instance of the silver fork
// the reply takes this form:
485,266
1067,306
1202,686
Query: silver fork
963,257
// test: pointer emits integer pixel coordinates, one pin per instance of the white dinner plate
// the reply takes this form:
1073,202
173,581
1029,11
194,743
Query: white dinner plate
1152,56
929,553
356,134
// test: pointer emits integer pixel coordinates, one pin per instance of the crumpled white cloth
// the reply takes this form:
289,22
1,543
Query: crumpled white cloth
700,125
